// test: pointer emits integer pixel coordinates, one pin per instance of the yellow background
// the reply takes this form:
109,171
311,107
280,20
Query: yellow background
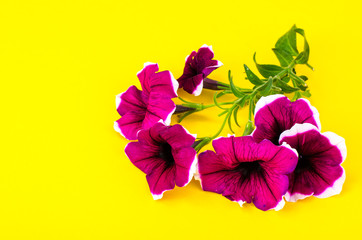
63,171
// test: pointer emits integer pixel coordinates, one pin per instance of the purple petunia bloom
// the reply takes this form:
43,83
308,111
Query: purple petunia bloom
319,170
243,170
275,113
142,109
166,155
197,67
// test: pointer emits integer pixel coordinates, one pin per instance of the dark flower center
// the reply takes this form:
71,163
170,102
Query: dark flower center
166,153
303,165
247,168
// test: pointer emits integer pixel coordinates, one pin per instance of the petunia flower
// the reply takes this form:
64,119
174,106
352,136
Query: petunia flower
165,155
142,109
275,113
243,170
319,170
197,67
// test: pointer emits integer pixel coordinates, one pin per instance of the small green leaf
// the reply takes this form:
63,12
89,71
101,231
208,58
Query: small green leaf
284,57
252,77
303,57
235,112
229,122
297,95
217,103
267,70
288,42
286,79
233,88
266,87
306,93
305,78
285,87
298,81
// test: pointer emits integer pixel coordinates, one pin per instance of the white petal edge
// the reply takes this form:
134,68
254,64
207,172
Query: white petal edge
315,112
241,203
119,99
209,47
118,129
198,89
295,197
263,101
167,121
174,82
280,205
284,144
146,64
297,128
337,141
335,189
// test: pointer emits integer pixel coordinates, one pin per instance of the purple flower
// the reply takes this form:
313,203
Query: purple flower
198,66
243,170
275,113
319,170
165,154
142,109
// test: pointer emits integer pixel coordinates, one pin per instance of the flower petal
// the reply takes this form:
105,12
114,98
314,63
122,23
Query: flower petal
159,107
185,160
178,137
130,124
149,69
245,171
194,84
275,114
144,158
161,179
161,82
131,100
318,171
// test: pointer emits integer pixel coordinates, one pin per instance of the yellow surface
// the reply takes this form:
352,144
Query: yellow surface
63,171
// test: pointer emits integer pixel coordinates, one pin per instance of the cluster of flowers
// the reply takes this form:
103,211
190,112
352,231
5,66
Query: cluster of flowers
285,157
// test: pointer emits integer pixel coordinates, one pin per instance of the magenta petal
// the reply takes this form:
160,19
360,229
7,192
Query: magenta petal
172,136
161,179
185,160
164,83
197,67
194,84
130,124
165,163
161,82
142,156
275,114
159,108
145,74
131,100
243,170
318,171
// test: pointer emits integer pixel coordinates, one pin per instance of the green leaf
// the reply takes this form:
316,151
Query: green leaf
267,70
266,87
285,87
217,103
229,122
284,57
222,93
303,57
286,79
305,78
288,42
252,77
235,112
297,95
306,93
233,88
298,81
